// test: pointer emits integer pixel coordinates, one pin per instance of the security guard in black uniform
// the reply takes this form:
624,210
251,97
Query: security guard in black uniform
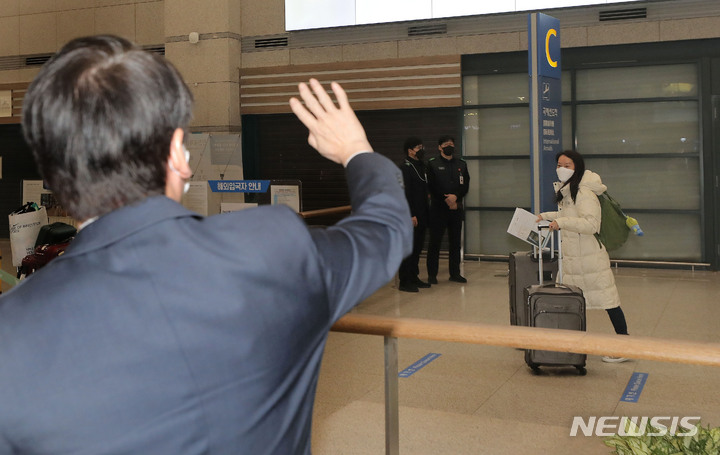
416,192
448,182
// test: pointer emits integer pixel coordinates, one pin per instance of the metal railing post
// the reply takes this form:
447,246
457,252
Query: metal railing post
392,328
392,417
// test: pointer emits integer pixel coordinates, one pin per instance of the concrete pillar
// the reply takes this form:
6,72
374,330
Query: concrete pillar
210,66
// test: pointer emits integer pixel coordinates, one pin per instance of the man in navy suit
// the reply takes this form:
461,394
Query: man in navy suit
160,331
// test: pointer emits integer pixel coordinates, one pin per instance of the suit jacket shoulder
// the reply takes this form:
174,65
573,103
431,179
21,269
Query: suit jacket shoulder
185,325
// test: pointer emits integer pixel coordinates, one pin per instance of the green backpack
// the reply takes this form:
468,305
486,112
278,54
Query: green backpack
613,228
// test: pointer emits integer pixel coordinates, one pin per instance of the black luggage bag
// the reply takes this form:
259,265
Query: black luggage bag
523,272
55,233
554,306
40,257
51,242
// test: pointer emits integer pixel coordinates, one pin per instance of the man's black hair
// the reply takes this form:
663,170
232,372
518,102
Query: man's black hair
99,118
445,138
411,143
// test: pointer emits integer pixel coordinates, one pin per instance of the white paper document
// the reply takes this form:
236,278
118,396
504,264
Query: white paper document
226,207
525,227
285,194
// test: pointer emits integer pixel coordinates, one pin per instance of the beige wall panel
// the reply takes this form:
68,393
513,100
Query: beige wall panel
201,106
64,5
73,24
36,6
394,65
116,20
252,88
347,70
265,58
429,46
181,17
708,27
14,76
103,3
365,94
212,106
265,17
496,42
523,35
636,32
208,16
9,8
150,23
206,61
176,53
235,16
38,33
234,60
574,37
267,89
9,35
370,51
316,55
232,97
284,108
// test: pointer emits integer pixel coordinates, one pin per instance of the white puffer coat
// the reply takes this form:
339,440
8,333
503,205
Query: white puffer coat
585,262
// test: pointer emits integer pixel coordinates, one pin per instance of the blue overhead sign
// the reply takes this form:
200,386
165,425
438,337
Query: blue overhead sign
239,186
544,70
547,49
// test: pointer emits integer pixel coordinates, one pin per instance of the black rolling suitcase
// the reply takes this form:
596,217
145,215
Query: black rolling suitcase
55,233
554,306
523,272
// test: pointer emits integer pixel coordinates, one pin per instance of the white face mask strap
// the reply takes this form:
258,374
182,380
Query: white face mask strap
172,168
187,160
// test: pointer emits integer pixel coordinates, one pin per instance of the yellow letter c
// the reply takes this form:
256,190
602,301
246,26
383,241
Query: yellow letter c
547,47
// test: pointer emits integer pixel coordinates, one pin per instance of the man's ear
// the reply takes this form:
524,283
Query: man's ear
176,157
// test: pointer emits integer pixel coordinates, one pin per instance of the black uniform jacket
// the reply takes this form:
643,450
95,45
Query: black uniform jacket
447,177
416,188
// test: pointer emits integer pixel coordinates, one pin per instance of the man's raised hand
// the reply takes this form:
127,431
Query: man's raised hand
335,131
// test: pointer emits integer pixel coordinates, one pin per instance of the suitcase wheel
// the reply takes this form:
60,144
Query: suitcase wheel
581,370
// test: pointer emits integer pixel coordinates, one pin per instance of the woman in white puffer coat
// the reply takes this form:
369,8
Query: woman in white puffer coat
586,263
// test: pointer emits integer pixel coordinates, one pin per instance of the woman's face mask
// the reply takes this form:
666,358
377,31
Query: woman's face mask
564,173
565,168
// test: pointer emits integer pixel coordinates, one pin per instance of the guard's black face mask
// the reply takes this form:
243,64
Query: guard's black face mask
448,150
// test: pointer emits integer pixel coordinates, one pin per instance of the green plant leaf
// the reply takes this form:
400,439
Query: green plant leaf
705,442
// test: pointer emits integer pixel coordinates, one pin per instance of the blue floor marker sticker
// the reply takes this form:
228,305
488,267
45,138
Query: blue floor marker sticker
409,371
634,387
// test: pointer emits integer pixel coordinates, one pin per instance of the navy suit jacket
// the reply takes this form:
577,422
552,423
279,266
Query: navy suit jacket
160,331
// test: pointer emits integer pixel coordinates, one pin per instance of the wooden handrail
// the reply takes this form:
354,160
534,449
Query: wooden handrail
636,347
323,212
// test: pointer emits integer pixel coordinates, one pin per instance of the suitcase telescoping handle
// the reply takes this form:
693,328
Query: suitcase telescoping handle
558,277
541,243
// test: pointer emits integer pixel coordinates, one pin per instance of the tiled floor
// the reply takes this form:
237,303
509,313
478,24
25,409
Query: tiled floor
484,400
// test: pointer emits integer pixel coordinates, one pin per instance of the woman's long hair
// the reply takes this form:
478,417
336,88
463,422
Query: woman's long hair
573,181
